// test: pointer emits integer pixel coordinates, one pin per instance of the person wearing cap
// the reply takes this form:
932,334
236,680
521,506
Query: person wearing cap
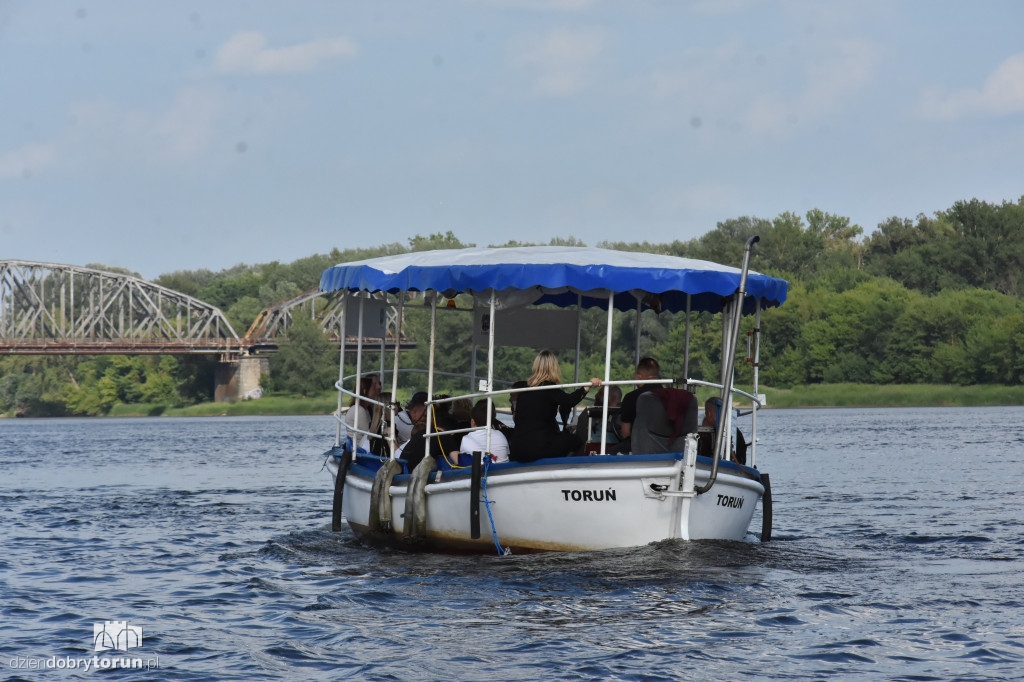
414,414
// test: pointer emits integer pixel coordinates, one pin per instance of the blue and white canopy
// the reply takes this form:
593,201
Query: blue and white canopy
557,274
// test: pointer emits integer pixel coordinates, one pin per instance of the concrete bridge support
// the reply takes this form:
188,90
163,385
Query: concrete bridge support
240,378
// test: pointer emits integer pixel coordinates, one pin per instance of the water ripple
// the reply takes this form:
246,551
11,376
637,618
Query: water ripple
228,564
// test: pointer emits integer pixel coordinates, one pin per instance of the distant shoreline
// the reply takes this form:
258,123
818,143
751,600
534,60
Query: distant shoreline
896,395
812,396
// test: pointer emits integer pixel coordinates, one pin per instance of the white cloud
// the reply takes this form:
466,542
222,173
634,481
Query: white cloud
764,93
701,197
248,53
836,78
717,8
539,5
830,82
201,122
562,59
700,73
1002,95
27,161
188,127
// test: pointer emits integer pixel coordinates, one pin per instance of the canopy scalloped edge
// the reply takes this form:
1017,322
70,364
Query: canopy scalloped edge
559,275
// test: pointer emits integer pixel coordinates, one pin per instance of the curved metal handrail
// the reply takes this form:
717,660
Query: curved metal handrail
729,352
711,384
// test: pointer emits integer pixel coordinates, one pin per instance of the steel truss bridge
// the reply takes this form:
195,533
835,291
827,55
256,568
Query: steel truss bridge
48,308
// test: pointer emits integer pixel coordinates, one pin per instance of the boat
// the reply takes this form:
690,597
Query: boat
593,501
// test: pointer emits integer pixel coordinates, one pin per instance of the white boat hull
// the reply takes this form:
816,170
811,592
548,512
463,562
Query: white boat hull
583,503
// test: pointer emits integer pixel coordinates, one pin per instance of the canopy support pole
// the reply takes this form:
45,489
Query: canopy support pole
725,342
579,336
686,342
607,370
392,442
636,341
383,347
357,404
756,356
472,356
490,381
430,372
341,364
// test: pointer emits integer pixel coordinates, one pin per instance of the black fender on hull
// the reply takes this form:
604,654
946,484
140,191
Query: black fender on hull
345,459
766,509
474,496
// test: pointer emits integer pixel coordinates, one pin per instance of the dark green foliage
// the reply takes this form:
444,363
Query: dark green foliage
881,332
306,361
69,385
973,244
931,300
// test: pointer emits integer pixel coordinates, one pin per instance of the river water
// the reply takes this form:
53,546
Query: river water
897,554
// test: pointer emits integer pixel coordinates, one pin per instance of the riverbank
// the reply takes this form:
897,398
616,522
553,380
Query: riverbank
818,395
267,406
897,395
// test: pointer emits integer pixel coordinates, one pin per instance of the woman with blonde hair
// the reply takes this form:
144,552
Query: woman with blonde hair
536,434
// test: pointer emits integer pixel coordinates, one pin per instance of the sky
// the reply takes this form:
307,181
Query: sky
164,136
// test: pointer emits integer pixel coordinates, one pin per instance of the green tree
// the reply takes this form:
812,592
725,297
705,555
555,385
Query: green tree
448,240
306,360
243,312
971,244
180,282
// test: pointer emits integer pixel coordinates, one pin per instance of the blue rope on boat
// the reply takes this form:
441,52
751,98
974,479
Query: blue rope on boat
502,551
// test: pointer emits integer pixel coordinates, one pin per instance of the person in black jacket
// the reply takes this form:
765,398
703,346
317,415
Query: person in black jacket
536,434
441,445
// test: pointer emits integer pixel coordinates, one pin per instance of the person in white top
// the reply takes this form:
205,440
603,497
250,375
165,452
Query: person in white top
413,414
477,440
369,387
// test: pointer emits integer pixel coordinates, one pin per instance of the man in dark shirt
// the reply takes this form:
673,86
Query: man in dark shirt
647,368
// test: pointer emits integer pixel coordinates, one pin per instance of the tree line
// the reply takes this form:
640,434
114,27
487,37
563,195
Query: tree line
935,299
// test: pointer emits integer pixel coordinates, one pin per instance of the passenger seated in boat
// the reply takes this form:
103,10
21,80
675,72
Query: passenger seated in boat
441,445
614,397
477,440
647,368
512,397
712,412
369,386
537,434
712,406
381,420
663,418
414,413
462,409
588,426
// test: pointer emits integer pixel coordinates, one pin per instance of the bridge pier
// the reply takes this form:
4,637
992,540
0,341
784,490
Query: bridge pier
239,378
